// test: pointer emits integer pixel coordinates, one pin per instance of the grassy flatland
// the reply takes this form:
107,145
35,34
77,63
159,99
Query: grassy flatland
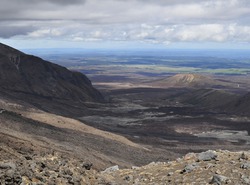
228,62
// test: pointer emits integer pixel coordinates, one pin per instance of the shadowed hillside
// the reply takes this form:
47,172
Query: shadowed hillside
241,105
31,75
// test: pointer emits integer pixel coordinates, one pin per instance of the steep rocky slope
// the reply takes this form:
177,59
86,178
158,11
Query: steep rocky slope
29,131
31,75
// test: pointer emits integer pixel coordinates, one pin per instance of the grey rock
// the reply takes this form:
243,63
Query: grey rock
245,179
170,173
12,178
45,173
135,167
40,178
219,179
245,165
41,165
189,168
68,172
207,156
2,111
87,165
7,165
77,179
28,158
10,173
111,169
179,160
209,165
152,164
128,178
62,163
51,183
243,156
33,166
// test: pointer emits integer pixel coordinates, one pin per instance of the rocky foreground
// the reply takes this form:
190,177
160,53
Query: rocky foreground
210,167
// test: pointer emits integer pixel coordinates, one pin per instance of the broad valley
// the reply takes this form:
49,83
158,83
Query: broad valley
66,120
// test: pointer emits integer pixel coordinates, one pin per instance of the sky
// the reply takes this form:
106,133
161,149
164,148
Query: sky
211,24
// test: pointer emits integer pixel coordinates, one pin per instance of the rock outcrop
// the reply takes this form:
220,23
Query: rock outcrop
45,169
211,167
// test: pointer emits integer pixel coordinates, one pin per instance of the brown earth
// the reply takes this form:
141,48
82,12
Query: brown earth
37,130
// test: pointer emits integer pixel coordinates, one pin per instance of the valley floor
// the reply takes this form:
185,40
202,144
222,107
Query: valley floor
53,141
159,117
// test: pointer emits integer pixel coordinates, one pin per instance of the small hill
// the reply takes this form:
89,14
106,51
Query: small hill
189,81
32,75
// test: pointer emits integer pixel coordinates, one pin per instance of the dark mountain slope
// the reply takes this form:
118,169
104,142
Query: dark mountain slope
209,98
219,100
241,105
31,75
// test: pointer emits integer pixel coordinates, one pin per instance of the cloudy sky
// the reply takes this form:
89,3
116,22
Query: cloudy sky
125,23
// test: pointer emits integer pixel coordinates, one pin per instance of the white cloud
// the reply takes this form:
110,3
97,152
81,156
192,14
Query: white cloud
162,21
45,33
214,32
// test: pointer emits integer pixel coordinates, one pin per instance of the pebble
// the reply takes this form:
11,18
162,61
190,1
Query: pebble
170,173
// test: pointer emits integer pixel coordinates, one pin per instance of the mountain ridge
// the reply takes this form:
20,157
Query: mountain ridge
29,74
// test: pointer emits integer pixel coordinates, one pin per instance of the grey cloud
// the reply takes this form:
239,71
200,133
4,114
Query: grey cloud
125,11
155,21
10,31
6,3
34,9
171,2
58,2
